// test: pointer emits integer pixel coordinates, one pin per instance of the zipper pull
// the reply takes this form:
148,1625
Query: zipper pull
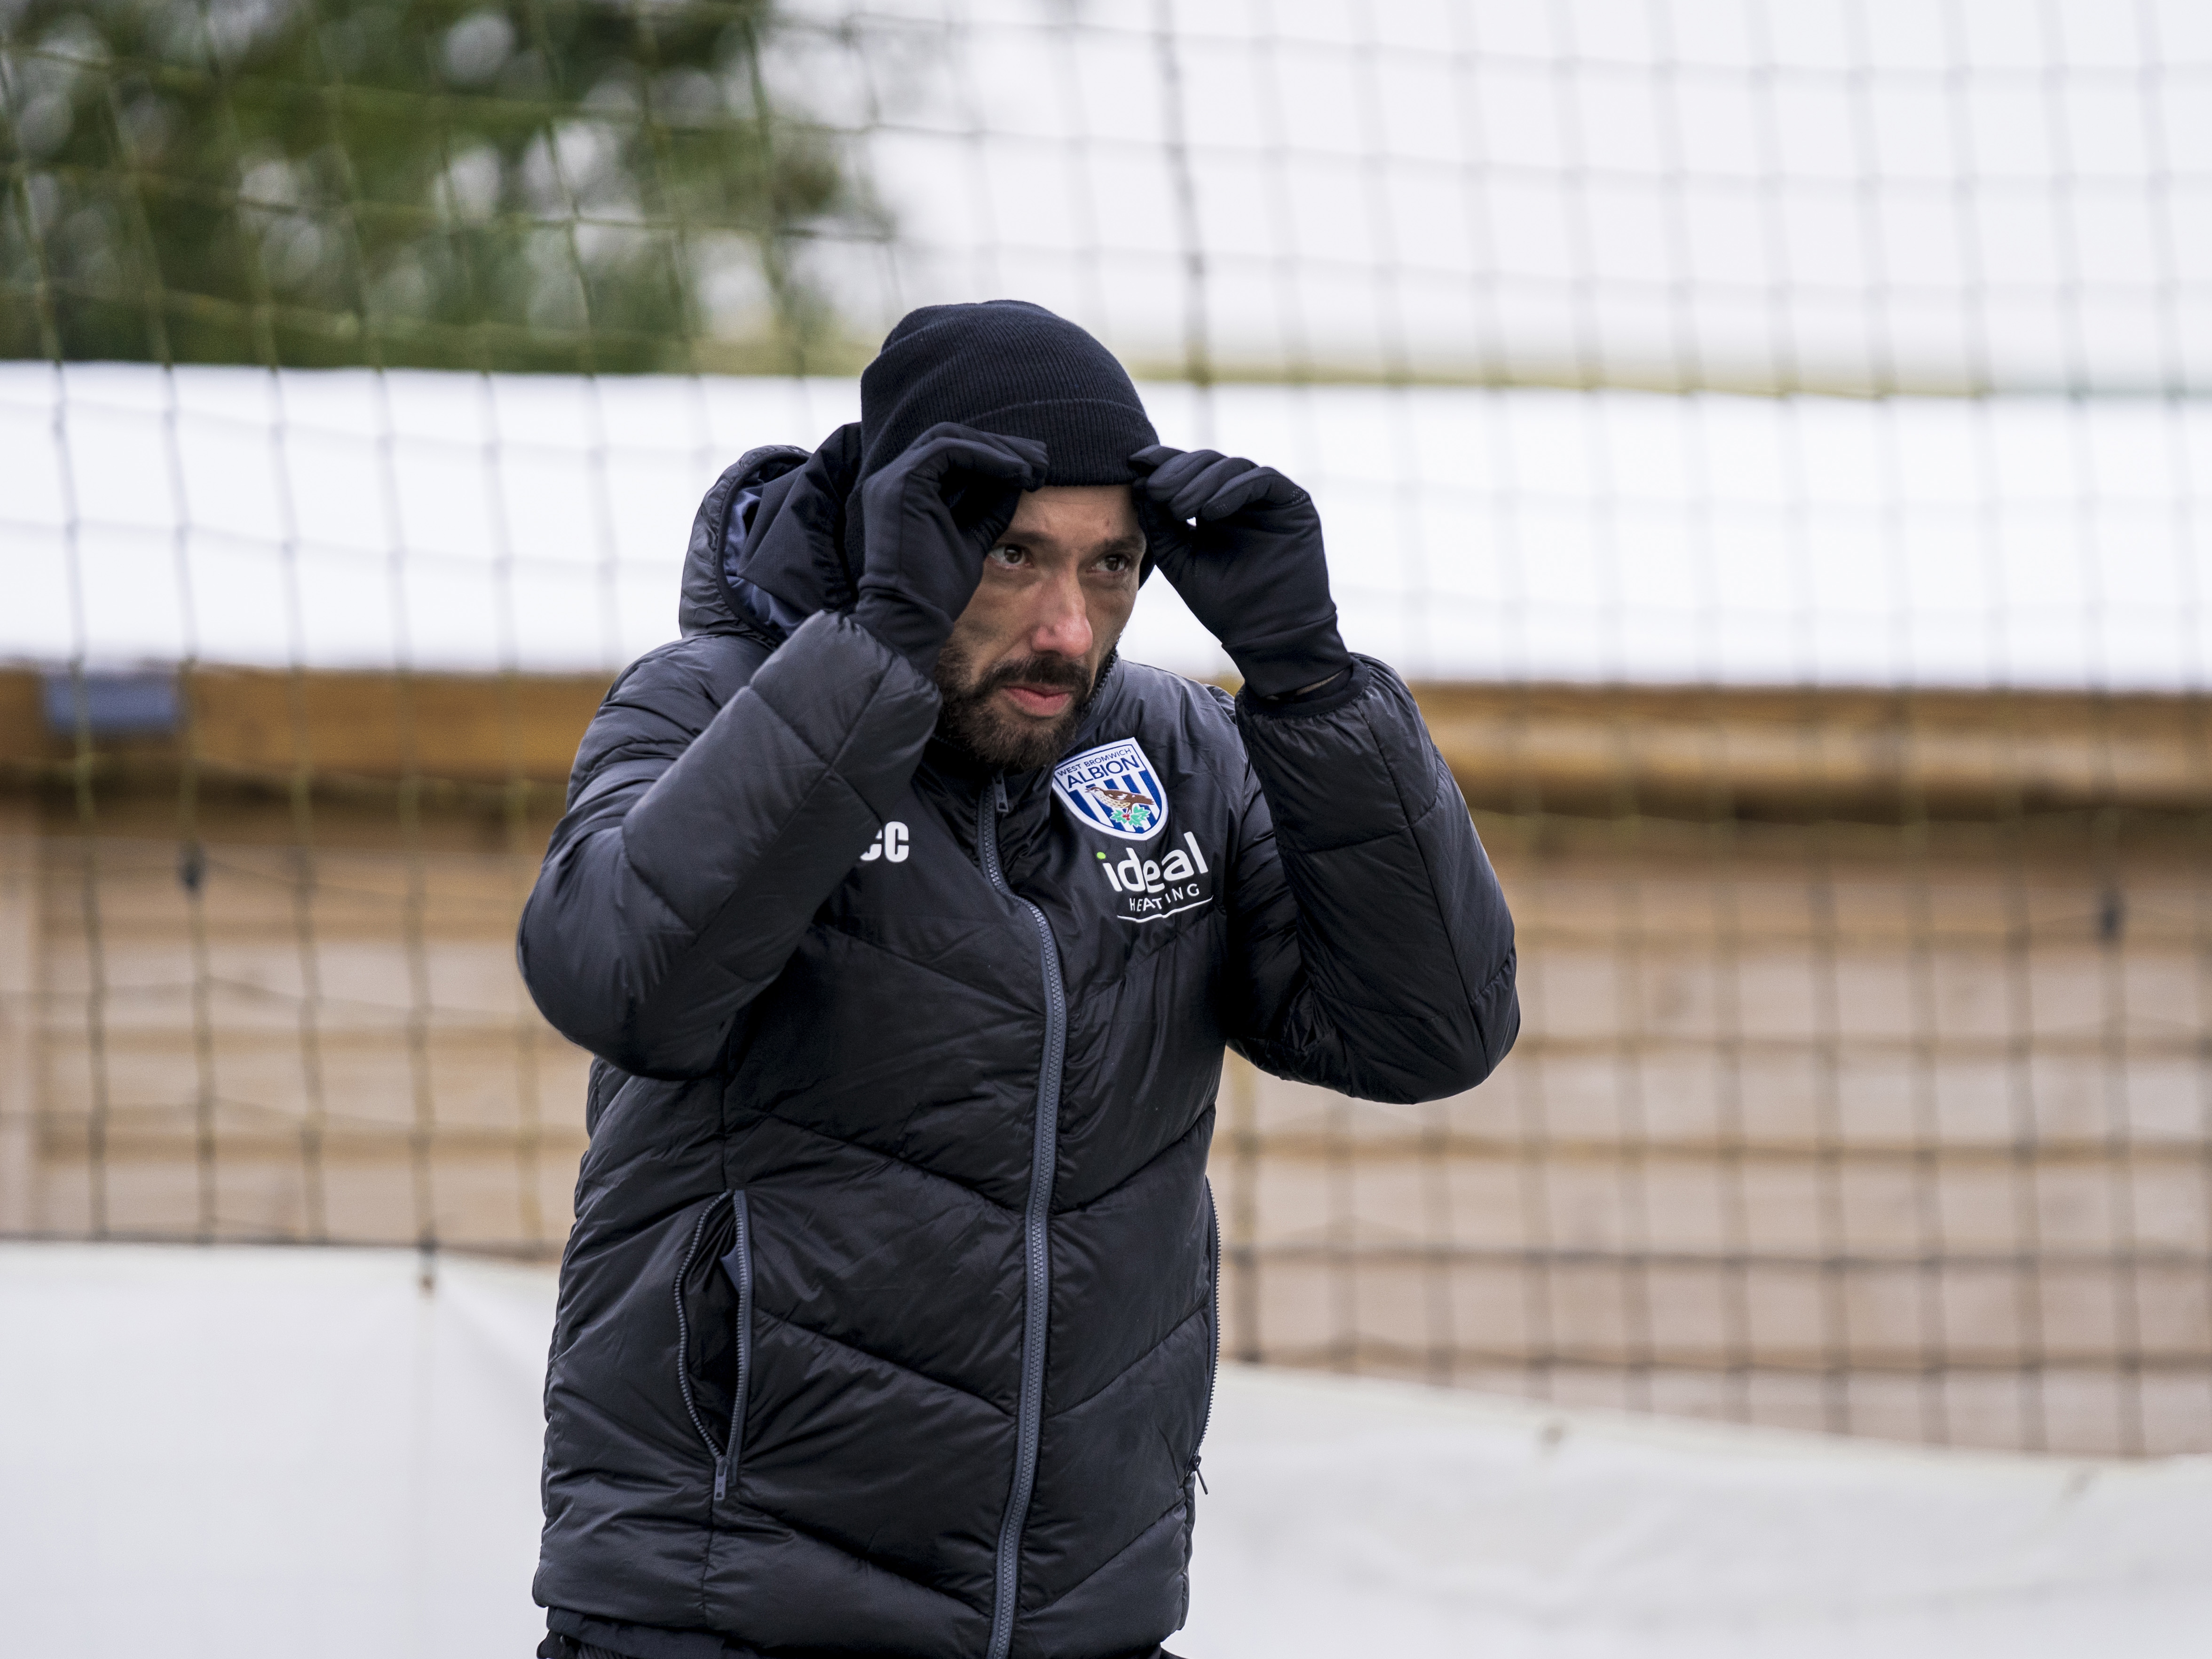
1200,1479
721,1478
998,783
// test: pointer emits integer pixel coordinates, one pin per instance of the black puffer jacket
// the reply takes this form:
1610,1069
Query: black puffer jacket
887,1325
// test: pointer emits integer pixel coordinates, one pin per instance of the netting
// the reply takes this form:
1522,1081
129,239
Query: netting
1770,437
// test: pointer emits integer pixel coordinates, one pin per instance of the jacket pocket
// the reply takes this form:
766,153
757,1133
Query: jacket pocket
714,1330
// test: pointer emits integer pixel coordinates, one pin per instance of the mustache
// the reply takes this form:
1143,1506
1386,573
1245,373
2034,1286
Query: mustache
1062,673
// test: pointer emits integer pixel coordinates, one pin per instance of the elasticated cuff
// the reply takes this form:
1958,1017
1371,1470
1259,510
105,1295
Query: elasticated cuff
1275,668
1350,689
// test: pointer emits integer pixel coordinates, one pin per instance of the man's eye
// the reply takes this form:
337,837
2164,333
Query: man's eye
1008,556
1115,563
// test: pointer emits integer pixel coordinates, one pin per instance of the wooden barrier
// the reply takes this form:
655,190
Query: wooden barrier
1865,1082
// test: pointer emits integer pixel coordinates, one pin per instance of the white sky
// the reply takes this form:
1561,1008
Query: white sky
1924,192
454,521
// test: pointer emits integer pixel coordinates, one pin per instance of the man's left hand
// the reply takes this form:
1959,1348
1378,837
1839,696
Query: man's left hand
1251,567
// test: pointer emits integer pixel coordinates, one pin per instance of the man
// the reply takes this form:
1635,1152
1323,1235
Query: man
909,925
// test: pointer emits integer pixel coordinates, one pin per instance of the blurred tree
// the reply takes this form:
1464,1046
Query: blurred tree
523,184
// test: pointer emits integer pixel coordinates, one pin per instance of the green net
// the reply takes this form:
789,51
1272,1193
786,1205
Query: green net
1770,438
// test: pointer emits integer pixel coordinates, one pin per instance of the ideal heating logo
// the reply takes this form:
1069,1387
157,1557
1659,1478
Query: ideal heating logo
1154,888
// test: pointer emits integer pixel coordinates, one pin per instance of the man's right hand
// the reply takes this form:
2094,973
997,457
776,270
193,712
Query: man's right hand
927,521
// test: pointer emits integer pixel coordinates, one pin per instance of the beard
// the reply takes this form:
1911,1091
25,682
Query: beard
1005,742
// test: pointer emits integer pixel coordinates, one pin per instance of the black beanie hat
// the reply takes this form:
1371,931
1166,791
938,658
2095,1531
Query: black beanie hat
1010,368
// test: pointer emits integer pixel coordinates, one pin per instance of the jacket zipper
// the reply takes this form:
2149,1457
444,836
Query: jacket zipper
1213,1323
1035,1224
724,1451
741,1254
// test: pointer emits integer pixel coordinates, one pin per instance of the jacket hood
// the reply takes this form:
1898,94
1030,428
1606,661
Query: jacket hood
777,538
766,547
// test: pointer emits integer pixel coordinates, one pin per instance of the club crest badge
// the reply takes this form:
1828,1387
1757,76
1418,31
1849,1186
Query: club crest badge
1113,788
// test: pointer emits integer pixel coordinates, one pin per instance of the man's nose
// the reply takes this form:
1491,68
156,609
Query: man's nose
1061,624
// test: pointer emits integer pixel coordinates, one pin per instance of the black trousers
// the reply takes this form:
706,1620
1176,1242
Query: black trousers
565,1647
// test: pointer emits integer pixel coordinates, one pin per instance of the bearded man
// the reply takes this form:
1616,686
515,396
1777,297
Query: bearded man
909,925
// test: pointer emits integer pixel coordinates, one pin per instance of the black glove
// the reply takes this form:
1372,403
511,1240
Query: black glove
926,521
1251,569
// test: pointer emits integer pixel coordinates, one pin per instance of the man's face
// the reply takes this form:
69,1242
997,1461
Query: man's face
1025,655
